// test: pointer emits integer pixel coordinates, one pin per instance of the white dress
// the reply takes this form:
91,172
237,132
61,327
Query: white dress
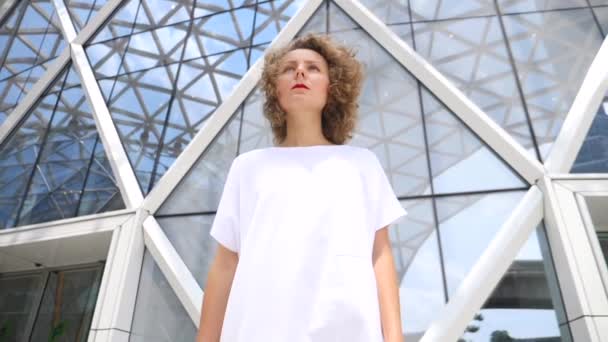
303,221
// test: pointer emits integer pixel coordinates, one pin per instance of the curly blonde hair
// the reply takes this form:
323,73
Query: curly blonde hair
339,116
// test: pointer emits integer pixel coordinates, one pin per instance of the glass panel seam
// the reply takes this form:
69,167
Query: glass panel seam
514,70
86,177
161,139
42,145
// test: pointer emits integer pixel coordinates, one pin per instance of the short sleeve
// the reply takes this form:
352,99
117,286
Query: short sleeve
225,227
386,208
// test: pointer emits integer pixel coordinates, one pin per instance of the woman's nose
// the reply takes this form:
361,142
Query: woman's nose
300,72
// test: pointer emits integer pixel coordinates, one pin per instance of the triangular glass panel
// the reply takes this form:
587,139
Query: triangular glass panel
82,11
593,155
527,293
46,161
159,315
30,39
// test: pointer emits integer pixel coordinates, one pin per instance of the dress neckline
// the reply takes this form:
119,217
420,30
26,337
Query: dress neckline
305,147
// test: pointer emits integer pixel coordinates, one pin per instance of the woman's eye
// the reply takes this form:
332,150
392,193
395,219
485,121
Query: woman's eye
289,68
314,67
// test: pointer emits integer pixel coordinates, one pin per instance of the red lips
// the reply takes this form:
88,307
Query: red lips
299,85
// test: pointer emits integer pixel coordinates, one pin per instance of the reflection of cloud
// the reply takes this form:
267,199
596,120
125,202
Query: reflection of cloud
466,234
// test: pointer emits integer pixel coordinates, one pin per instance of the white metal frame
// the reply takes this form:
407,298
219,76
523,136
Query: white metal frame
554,195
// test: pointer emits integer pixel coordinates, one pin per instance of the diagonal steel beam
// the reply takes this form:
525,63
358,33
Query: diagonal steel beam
115,151
65,21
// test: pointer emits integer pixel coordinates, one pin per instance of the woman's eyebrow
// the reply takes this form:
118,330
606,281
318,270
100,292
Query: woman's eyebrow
291,61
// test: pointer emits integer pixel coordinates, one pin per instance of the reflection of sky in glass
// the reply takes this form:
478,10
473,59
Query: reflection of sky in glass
466,234
421,290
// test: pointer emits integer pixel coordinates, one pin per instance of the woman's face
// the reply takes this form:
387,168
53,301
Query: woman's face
303,81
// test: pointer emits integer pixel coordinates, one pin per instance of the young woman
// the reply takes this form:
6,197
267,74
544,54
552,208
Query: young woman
302,254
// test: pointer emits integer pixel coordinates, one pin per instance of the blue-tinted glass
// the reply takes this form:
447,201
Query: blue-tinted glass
271,17
139,106
121,23
207,7
154,48
18,155
29,39
202,86
57,183
220,33
82,11
100,192
593,155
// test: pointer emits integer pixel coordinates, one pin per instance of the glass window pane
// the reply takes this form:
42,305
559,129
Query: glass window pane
220,33
18,156
121,23
456,153
389,11
467,224
138,105
81,11
67,306
200,190
593,155
524,305
439,9
419,272
514,6
18,299
203,84
473,55
159,315
271,17
602,17
189,235
30,39
552,52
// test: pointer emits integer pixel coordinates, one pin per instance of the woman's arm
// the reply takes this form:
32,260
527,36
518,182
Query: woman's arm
388,287
219,282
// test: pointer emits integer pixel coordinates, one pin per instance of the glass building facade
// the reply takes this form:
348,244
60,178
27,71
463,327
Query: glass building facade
121,118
